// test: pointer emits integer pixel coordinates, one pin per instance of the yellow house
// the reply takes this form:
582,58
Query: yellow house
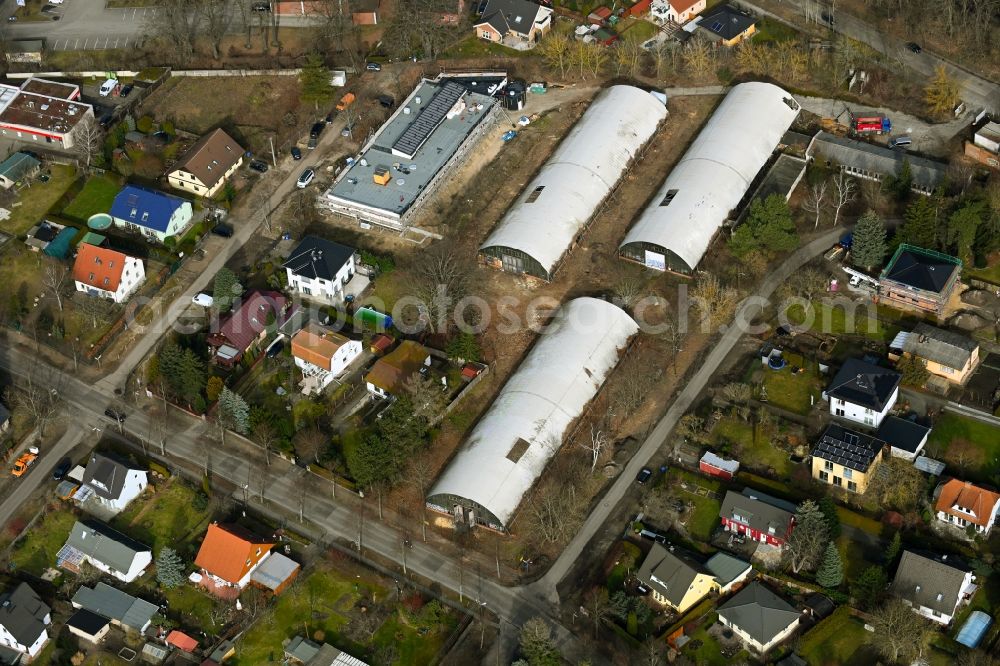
846,458
675,581
726,25
205,167
945,353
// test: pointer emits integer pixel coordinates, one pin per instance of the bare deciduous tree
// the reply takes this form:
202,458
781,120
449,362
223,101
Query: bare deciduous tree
178,21
715,300
814,200
310,443
54,279
37,396
555,50
266,435
441,280
899,635
429,399
845,191
698,58
217,16
87,139
421,475
595,444
598,607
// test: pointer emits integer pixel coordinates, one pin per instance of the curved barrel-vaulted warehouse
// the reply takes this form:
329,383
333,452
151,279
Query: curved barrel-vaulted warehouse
678,225
557,205
508,449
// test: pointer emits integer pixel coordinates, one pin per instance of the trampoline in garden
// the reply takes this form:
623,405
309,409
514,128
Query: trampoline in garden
974,629
776,362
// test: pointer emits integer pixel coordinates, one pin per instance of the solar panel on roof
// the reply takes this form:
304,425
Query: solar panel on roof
428,119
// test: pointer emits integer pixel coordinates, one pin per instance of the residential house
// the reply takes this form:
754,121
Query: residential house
112,482
228,557
759,617
122,609
675,580
319,269
920,279
760,517
946,354
104,273
869,161
153,214
17,167
905,438
88,625
846,458
726,25
714,465
322,355
513,22
105,549
303,651
863,392
23,620
259,313
932,588
966,505
985,144
205,167
676,11
389,374
729,572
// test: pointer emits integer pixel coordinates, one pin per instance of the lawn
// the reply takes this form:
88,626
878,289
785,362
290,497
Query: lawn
36,552
36,201
794,392
827,318
168,518
770,30
97,195
636,30
703,649
990,274
971,445
839,639
759,454
192,607
705,517
474,47
323,602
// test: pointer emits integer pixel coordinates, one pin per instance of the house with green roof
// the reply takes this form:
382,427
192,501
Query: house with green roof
17,167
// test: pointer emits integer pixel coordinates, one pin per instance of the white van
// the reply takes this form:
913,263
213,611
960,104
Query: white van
900,142
203,299
108,86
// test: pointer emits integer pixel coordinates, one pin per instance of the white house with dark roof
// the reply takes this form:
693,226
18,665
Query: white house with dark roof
23,621
105,549
759,617
111,482
932,588
905,438
319,269
863,392
121,609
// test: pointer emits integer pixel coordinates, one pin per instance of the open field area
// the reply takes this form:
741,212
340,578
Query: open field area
97,195
967,443
33,203
36,551
173,515
750,443
839,639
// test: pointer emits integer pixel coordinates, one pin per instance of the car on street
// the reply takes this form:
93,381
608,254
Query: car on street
203,299
26,460
258,166
914,47
222,229
115,414
644,475
296,153
126,89
373,67
312,143
62,469
275,348
317,129
306,178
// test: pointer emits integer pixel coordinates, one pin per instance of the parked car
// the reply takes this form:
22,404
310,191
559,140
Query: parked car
306,178
222,229
126,89
508,136
348,128
62,469
107,87
296,153
900,142
312,142
373,67
275,348
914,47
203,299
386,101
113,413
258,166
26,460
827,18
316,130
106,118
644,475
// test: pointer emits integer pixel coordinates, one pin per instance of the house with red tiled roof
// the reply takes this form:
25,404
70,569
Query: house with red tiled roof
322,355
257,315
228,556
106,273
963,504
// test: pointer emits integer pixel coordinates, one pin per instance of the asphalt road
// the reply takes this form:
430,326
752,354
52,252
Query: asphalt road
38,473
978,92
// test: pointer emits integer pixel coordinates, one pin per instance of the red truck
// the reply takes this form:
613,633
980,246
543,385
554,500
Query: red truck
870,123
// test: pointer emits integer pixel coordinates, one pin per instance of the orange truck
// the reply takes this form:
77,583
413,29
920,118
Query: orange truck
345,101
26,460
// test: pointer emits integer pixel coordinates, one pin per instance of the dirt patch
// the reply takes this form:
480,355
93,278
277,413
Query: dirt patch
969,321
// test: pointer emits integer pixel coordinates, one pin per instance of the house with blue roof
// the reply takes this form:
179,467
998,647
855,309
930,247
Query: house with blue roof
153,214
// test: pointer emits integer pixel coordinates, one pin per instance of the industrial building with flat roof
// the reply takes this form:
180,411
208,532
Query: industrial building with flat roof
509,448
402,163
42,110
556,206
676,228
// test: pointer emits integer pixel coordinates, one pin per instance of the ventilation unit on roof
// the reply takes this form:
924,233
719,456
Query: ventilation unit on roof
45,107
